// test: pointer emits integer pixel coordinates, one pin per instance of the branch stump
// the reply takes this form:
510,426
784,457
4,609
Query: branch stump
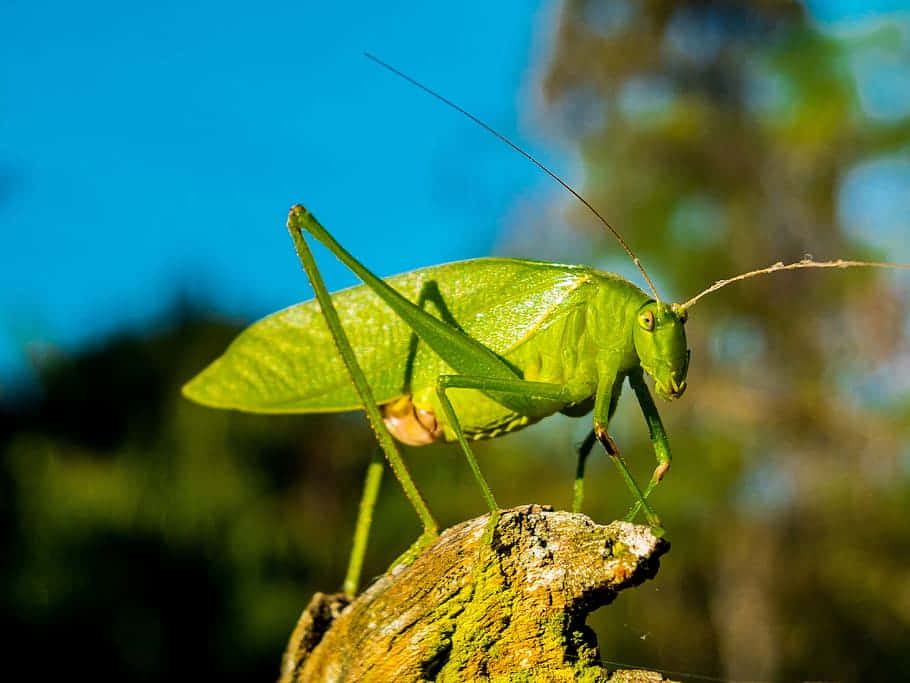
466,609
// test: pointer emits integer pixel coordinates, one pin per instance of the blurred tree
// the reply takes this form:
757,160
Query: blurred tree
145,538
717,136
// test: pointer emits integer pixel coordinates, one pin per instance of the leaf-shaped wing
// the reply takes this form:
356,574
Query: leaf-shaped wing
287,362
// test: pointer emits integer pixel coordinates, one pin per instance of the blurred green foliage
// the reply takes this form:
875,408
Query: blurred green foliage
145,537
718,137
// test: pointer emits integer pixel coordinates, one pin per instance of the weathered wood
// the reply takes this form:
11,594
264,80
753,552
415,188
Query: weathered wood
467,609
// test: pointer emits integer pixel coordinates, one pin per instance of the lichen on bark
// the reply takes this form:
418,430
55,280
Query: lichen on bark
513,609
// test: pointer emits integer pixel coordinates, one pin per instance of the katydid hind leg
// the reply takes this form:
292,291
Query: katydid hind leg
361,384
448,341
429,293
461,352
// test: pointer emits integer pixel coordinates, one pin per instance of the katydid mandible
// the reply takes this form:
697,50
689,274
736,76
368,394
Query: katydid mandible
466,350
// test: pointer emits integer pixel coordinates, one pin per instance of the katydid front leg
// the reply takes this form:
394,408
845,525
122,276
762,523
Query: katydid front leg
585,450
608,388
656,432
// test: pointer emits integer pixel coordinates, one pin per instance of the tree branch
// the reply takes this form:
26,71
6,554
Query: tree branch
468,609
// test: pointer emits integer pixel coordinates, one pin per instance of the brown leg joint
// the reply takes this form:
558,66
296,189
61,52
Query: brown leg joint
609,445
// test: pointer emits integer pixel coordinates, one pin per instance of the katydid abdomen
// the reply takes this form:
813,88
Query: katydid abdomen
549,321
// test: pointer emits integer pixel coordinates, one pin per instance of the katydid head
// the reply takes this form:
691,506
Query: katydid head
659,336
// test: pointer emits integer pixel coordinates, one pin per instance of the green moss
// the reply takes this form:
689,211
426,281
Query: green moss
471,638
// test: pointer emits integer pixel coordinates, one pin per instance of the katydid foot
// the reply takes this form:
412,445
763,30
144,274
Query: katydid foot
613,451
407,558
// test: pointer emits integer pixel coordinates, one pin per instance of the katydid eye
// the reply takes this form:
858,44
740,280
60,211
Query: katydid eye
647,320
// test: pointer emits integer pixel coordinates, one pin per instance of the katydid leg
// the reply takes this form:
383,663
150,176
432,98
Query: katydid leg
517,387
429,293
364,522
584,450
612,450
656,432
430,529
460,351
604,404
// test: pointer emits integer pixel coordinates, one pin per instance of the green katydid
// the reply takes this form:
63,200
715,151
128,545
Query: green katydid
466,350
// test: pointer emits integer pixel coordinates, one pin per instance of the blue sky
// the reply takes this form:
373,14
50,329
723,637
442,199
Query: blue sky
147,149
152,147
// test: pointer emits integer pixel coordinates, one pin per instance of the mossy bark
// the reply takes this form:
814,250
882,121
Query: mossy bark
469,609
